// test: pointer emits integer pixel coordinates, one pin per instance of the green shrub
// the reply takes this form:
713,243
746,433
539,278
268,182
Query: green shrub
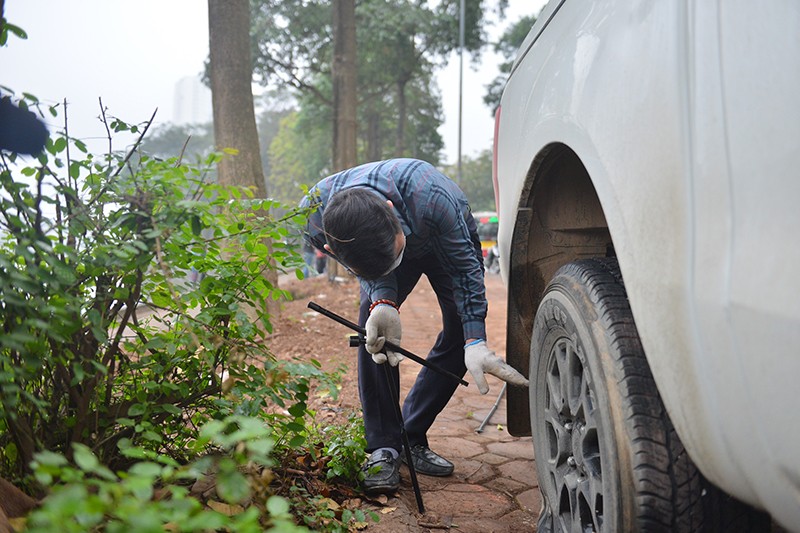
134,303
89,496
107,335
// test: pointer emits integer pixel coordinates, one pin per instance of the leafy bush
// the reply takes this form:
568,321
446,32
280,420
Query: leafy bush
89,495
134,303
106,334
345,446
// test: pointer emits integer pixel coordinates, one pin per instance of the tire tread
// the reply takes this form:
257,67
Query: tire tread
670,492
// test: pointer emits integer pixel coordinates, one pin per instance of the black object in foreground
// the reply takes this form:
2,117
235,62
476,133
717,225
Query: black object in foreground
391,346
356,340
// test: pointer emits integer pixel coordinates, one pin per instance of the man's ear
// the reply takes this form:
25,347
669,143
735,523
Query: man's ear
390,203
328,249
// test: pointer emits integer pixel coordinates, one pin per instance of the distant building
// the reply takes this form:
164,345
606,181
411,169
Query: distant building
192,103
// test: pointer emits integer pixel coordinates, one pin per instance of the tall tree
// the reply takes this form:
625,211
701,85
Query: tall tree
231,74
299,155
343,72
476,180
399,44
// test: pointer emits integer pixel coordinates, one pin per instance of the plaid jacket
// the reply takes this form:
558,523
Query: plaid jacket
435,217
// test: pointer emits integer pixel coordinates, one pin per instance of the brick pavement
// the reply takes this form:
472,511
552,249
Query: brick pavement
494,487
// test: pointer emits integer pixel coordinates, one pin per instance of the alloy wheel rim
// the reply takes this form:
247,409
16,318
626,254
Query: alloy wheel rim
571,421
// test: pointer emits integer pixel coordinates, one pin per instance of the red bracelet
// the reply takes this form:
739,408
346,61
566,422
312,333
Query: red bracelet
385,302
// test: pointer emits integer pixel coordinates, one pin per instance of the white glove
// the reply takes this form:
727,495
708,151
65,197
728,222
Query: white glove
383,325
479,360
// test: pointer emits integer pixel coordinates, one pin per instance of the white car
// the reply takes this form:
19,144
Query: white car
646,169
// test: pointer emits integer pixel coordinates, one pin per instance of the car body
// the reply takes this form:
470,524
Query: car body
667,134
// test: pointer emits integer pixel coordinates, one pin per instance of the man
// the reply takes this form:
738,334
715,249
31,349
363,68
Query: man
388,223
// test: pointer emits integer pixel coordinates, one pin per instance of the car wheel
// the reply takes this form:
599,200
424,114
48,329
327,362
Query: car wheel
607,455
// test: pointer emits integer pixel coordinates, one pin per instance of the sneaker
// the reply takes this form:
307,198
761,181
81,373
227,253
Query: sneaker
381,473
429,462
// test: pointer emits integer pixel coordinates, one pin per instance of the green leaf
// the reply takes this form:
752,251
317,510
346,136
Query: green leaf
171,409
137,409
16,30
197,227
60,144
152,436
277,506
84,457
232,486
146,469
74,170
47,458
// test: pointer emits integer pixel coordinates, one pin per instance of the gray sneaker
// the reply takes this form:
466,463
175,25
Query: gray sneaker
381,473
429,462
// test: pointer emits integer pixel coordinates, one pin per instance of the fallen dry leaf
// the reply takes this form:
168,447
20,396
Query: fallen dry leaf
330,504
226,509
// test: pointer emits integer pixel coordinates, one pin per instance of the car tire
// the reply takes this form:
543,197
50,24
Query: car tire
607,455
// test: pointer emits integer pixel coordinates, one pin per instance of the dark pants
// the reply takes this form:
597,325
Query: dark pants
431,391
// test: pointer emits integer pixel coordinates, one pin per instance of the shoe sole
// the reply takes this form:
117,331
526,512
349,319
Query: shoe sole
381,489
429,473
433,474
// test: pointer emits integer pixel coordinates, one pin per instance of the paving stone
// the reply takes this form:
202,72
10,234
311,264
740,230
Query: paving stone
519,448
530,500
449,428
466,524
428,483
478,401
469,500
520,470
492,459
496,429
507,485
480,438
519,521
484,473
454,447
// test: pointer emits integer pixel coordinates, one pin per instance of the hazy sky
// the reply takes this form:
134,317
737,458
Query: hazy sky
132,53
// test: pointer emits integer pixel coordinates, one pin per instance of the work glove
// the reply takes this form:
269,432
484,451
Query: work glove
480,360
383,325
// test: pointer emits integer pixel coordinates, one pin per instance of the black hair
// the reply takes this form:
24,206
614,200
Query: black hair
361,229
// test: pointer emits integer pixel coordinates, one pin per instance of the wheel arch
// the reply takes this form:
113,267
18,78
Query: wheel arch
559,219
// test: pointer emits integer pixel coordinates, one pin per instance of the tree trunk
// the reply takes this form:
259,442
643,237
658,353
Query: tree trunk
402,106
344,84
343,72
231,74
374,145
